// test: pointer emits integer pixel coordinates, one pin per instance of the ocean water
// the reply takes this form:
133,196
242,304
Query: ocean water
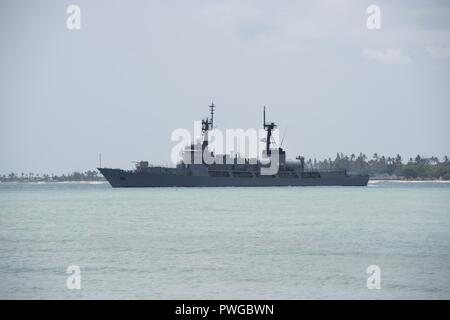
225,243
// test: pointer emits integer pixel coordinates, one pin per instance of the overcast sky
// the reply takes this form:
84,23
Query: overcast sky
137,70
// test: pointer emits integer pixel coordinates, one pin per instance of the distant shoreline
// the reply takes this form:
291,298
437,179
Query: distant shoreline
408,180
56,182
104,181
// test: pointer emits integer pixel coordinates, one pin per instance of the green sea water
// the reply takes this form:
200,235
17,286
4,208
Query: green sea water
225,243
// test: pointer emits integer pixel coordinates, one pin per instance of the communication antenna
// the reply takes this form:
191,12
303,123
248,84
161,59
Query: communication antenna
211,110
99,160
282,139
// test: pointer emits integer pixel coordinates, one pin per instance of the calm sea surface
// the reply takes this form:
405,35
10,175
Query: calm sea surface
231,243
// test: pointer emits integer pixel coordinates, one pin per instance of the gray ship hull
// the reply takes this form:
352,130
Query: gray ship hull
121,179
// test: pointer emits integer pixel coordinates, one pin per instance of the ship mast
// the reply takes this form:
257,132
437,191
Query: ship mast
268,127
207,125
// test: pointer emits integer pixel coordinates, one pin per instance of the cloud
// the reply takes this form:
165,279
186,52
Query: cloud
439,52
388,56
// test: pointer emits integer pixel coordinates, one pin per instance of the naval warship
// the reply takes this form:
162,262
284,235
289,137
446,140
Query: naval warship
231,171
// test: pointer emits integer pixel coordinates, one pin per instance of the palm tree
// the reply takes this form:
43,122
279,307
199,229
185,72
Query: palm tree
418,159
375,157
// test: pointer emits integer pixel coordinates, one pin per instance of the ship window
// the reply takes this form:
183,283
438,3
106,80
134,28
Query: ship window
287,174
310,175
259,175
243,174
218,173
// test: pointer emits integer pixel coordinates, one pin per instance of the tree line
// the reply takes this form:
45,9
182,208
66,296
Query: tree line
381,166
90,175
